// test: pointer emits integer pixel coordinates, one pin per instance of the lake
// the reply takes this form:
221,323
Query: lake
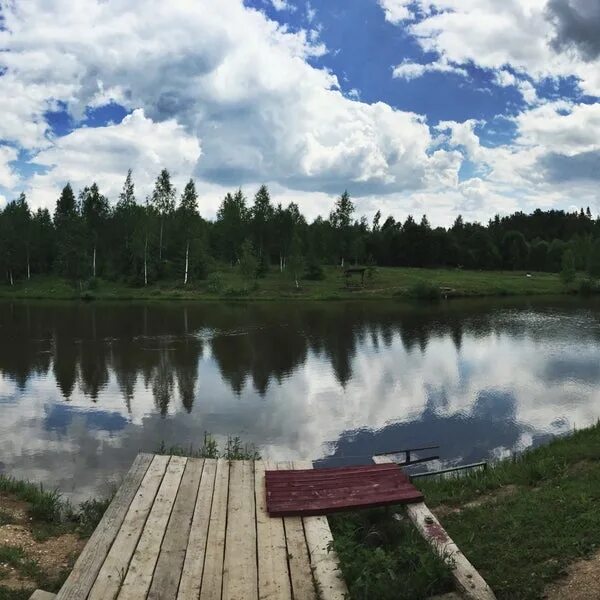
84,387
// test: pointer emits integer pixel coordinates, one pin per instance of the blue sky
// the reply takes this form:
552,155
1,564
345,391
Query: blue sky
414,106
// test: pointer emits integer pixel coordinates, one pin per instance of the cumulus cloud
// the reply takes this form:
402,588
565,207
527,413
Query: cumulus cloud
8,177
229,76
396,11
105,153
411,70
527,36
577,25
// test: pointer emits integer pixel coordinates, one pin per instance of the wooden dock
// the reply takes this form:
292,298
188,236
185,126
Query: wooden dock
198,528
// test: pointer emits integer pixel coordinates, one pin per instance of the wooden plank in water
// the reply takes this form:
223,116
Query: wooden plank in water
91,559
303,587
167,573
111,575
212,576
305,492
466,577
191,576
139,576
323,559
240,578
273,573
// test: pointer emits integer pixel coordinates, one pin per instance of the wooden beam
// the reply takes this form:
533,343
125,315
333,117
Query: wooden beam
466,577
273,575
90,561
323,559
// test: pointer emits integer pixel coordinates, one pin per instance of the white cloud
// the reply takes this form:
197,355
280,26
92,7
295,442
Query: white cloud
282,5
229,76
396,11
137,143
493,35
411,70
8,177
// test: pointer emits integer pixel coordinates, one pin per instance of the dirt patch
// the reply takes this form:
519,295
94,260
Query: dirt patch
496,496
581,583
52,556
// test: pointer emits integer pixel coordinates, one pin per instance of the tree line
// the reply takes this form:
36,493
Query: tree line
165,238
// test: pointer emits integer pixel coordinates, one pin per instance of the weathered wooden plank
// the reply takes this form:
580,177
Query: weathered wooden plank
323,559
139,576
303,587
111,575
167,573
466,577
240,577
212,576
273,573
191,576
41,595
91,559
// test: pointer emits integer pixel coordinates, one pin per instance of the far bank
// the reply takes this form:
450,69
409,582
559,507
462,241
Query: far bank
336,284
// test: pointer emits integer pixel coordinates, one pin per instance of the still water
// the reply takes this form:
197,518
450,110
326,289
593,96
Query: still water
84,387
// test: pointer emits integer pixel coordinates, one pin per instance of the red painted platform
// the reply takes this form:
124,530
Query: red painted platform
322,491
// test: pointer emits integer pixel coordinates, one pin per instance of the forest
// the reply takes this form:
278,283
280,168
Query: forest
166,238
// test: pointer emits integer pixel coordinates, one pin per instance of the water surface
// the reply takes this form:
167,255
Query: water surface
84,387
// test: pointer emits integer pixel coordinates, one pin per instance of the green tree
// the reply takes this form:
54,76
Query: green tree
295,262
568,272
232,226
95,212
69,234
126,217
341,221
189,220
261,216
593,266
163,202
248,261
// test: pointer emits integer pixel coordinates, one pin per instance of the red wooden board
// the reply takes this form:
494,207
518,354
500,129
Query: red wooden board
310,492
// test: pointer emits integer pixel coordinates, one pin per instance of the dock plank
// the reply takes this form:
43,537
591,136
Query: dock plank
323,559
466,577
90,561
212,577
303,587
240,577
167,574
141,569
273,573
191,576
109,579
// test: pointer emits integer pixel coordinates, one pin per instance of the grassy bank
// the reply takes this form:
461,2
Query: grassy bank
384,283
41,537
521,523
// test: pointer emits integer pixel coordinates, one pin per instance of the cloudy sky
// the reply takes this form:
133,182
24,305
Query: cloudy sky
446,107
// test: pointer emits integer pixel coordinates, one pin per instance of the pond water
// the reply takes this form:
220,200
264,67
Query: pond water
84,387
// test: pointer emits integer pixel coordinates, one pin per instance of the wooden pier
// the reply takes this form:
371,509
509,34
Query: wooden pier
183,528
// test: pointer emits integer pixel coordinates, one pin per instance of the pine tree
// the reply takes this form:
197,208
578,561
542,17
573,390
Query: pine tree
188,212
568,272
341,221
163,201
95,212
69,234
127,195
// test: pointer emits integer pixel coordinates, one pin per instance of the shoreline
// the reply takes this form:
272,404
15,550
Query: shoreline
388,284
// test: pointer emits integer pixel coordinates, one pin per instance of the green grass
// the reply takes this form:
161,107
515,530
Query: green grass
228,284
386,559
521,523
44,505
234,449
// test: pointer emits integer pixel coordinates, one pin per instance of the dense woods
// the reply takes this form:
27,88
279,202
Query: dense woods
166,238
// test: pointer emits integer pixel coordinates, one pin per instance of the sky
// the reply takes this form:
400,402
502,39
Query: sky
443,107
